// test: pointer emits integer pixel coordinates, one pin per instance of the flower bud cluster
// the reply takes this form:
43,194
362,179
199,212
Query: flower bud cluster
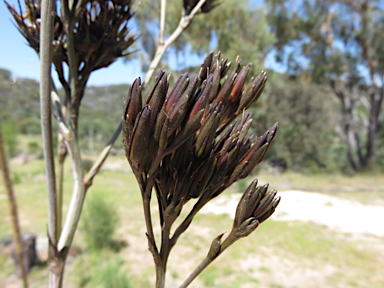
188,138
255,206
100,33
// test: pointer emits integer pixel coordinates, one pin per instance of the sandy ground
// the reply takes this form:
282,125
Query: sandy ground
340,214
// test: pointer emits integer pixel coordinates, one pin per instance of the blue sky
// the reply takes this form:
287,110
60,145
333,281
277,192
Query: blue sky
22,60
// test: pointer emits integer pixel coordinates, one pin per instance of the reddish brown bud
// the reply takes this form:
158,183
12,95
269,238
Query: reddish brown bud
239,83
133,104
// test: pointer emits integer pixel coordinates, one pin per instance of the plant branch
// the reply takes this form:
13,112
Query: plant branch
13,210
197,271
187,221
102,157
78,193
72,58
46,52
162,21
209,259
183,24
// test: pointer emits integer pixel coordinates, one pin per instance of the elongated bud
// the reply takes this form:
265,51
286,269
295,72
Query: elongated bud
178,111
239,83
272,132
177,91
253,91
207,134
245,129
215,84
252,159
157,96
140,139
205,66
269,212
243,208
192,125
202,101
247,227
134,103
214,250
225,91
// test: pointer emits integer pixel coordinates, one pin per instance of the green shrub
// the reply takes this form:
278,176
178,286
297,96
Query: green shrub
9,131
87,164
100,271
99,222
33,148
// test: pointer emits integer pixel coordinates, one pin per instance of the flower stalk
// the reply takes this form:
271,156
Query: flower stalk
187,144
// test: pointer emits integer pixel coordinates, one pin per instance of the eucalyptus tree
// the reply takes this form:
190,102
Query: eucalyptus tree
339,43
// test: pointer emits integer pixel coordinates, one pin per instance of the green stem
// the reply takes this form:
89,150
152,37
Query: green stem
208,260
196,272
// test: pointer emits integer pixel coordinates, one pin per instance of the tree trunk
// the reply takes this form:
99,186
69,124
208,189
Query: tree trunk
358,158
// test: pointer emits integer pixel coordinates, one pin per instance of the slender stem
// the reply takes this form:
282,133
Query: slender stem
61,161
60,252
208,260
146,195
187,221
13,210
78,194
162,21
196,272
46,52
70,41
147,207
60,196
183,24
102,157
164,251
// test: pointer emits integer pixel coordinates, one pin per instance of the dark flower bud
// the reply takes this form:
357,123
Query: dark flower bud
253,158
157,96
204,70
243,208
269,212
133,104
179,109
215,84
247,227
253,91
239,83
138,153
181,84
214,250
256,205
206,134
202,101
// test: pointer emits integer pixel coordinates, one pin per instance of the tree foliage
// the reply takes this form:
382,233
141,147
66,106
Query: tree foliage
306,123
236,28
339,43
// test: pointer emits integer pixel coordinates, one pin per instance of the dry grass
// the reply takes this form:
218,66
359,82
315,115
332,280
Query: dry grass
278,254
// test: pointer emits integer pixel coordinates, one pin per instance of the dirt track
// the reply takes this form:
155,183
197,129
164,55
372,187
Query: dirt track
341,214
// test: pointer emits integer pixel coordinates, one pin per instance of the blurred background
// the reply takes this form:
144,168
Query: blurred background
325,65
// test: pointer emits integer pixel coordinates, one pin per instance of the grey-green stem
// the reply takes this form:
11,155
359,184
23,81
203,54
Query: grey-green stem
163,45
208,260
